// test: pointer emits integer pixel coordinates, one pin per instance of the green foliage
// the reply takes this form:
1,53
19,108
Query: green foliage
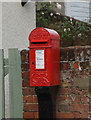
43,16
72,32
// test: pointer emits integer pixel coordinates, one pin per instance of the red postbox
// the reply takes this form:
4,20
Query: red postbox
44,56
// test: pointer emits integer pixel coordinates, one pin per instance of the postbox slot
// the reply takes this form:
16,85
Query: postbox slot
39,42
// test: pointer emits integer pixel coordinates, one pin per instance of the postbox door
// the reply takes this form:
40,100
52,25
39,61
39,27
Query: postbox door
38,72
37,59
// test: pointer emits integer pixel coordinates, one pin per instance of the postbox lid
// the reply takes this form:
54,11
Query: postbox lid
43,34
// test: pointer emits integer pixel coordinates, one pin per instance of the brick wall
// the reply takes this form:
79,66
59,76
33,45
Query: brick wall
73,95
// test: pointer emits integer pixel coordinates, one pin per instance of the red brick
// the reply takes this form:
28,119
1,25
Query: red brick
84,92
26,83
87,53
25,67
74,73
63,108
75,91
76,114
75,65
65,66
76,100
28,99
64,115
66,78
84,114
65,99
84,100
79,107
27,115
71,54
60,98
66,83
30,107
35,99
36,115
26,75
28,91
68,115
80,54
84,65
64,54
24,56
84,73
63,91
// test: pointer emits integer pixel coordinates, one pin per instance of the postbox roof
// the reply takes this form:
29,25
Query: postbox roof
44,34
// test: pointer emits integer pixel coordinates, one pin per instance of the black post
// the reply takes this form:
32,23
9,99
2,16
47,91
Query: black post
46,102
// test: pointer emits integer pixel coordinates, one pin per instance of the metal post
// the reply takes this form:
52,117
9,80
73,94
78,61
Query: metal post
46,100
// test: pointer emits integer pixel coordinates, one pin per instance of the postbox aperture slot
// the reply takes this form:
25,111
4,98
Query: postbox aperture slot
39,42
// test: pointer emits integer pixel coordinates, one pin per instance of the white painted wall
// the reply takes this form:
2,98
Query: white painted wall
17,23
0,25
